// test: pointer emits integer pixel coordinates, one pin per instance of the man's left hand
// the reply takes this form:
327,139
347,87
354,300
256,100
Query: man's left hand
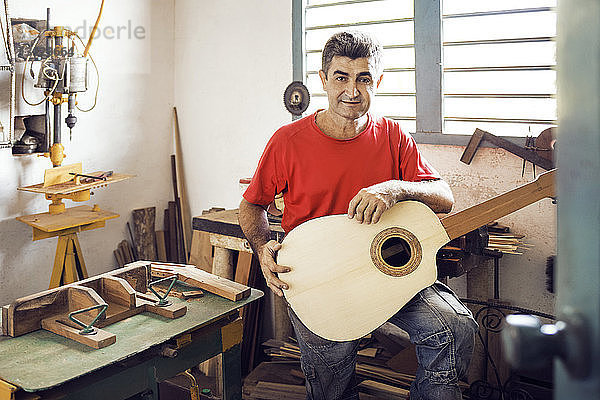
369,204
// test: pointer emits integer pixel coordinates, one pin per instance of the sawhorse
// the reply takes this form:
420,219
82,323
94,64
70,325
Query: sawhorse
69,266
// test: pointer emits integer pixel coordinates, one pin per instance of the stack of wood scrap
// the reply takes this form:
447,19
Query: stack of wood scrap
124,253
507,243
386,367
143,240
172,242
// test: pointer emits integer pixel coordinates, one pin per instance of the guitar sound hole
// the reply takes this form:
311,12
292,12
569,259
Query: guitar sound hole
396,252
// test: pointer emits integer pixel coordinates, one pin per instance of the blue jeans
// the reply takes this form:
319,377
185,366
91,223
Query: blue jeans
440,326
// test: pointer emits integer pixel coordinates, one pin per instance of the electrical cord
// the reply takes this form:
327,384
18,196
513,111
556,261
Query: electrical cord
35,43
89,43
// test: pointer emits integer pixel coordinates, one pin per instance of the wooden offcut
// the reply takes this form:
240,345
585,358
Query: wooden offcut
201,251
161,247
143,232
58,175
196,277
184,206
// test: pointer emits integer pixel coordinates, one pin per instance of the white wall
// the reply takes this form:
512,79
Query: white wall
233,64
493,171
129,132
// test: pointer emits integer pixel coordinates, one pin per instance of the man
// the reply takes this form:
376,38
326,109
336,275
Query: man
344,160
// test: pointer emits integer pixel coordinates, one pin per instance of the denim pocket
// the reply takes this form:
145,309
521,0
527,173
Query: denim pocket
449,297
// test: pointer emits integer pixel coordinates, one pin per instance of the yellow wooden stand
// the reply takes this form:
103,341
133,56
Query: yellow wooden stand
64,183
69,265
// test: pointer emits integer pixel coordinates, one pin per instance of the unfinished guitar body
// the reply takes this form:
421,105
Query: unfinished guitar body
355,269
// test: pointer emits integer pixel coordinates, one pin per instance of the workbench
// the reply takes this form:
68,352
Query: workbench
43,364
226,239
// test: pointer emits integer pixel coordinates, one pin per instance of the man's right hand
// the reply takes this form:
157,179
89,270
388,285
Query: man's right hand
270,269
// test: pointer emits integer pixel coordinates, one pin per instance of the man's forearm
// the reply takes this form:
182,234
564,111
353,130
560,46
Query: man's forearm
435,194
255,225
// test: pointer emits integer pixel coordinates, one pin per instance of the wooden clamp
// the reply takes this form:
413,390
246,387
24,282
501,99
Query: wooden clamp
122,290
517,150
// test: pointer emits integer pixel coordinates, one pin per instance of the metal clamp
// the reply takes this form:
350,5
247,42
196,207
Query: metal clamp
162,300
89,328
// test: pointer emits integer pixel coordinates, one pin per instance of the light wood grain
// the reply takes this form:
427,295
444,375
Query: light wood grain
72,217
472,218
59,175
98,340
71,187
334,287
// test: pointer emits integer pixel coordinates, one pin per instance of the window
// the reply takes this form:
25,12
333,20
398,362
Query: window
391,22
499,66
498,61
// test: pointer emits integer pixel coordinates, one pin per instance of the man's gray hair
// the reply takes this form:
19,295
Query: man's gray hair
351,44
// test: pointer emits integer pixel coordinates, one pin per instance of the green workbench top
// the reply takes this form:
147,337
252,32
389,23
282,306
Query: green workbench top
41,360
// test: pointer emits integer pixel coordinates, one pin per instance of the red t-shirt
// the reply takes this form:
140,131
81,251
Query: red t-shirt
319,175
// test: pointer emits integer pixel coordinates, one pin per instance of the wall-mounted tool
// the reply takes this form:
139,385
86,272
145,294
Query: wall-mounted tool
539,153
296,98
63,73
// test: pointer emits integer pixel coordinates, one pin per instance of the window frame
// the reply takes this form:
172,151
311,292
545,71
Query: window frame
428,21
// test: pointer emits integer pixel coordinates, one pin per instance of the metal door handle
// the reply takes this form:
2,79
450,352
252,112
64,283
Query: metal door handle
530,345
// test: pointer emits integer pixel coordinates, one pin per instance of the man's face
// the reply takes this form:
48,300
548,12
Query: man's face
349,85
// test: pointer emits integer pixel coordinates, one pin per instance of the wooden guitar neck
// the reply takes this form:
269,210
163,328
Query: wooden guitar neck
472,218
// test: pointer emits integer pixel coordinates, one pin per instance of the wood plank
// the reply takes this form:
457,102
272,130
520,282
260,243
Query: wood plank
517,150
58,175
127,257
98,340
5,320
276,391
467,220
143,232
192,294
230,242
72,217
226,223
173,237
166,229
81,297
161,249
117,290
185,213
199,278
171,311
181,252
201,252
39,234
472,146
119,258
243,268
383,391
